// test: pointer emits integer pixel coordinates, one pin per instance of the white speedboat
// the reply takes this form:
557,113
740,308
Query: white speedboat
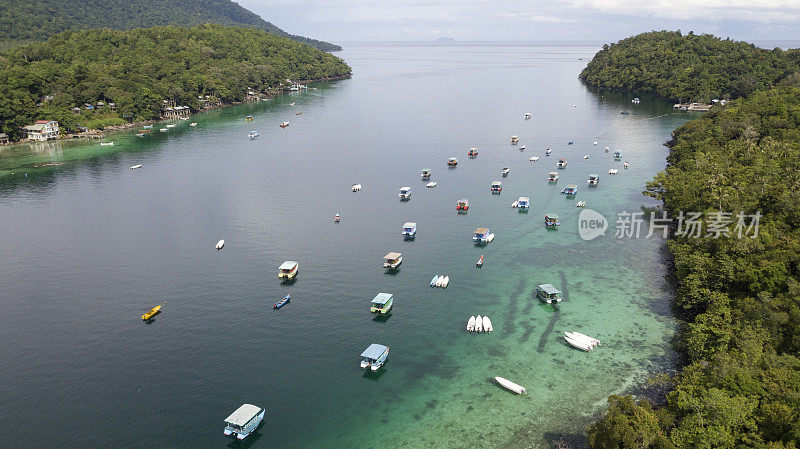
434,281
581,204
163,130
471,324
171,125
136,166
193,124
511,386
522,148
478,324
184,118
548,151
440,282
487,324
586,156
613,171
595,143
431,184
446,281
514,204
580,344
107,144
356,187
533,158
219,245
626,165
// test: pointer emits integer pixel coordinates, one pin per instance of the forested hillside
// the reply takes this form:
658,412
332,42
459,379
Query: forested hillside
740,297
24,21
688,67
137,69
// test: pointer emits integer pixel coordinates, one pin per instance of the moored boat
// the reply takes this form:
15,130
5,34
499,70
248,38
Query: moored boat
533,158
193,124
374,357
580,344
482,235
434,281
581,337
106,144
253,134
552,177
496,187
562,163
478,323
551,221
136,166
617,154
288,270
280,303
452,162
392,260
570,189
548,152
548,293
473,152
425,173
479,263
462,205
284,124
487,324
594,180
523,203
220,244
613,171
527,115
382,303
153,312
244,421
511,386
336,218
580,204
409,230
505,171
404,193
471,324
514,140
356,187
431,184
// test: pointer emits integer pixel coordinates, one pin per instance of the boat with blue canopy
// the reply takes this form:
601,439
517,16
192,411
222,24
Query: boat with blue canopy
593,180
374,357
482,235
617,154
548,293
570,189
425,173
382,303
405,193
551,221
244,421
523,203
252,134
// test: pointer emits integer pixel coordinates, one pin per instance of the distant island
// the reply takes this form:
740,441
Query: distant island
736,292
688,67
445,40
26,21
94,79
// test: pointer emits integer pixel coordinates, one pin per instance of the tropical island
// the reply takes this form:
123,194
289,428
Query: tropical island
690,67
100,77
736,297
26,21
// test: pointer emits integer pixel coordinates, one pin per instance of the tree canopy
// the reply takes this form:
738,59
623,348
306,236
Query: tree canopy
25,21
740,297
138,69
688,67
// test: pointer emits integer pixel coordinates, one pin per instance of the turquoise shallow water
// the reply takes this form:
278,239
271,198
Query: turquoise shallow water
90,245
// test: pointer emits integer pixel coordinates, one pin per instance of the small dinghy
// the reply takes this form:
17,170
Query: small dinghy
595,143
283,301
522,148
153,312
487,324
514,204
219,245
471,324
431,184
336,218
581,204
586,156
479,263
284,124
580,344
478,324
607,148
548,151
171,125
163,130
434,281
136,166
193,124
510,386
581,337
440,282
445,281
356,187
533,158
625,164
613,171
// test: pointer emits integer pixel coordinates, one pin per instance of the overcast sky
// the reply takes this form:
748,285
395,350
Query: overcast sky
475,20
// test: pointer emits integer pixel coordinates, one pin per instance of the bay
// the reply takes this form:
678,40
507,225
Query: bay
90,245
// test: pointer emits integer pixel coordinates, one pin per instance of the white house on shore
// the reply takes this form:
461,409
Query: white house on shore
42,130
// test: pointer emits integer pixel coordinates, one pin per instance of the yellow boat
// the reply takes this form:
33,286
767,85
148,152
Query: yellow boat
153,312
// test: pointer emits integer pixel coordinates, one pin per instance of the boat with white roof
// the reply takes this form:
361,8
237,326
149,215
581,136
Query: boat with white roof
392,260
244,421
404,193
496,187
482,235
288,270
431,184
374,357
409,230
382,303
594,180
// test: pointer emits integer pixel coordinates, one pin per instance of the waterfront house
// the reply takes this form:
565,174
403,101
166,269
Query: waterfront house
3,138
42,130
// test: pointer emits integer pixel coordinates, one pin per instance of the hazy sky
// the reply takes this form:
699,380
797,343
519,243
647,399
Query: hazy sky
465,20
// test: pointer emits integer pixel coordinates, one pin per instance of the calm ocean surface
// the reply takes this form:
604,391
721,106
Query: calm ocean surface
90,245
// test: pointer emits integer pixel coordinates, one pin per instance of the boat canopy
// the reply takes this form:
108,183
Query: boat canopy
410,224
562,160
514,137
288,265
551,217
594,176
374,351
405,189
524,199
463,201
496,183
243,415
426,170
392,256
382,299
481,231
553,173
549,289
453,159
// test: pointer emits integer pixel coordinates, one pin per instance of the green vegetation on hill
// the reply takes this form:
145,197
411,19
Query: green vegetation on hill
740,298
692,67
24,21
138,69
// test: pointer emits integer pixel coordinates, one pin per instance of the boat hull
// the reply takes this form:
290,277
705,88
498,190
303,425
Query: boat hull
511,386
